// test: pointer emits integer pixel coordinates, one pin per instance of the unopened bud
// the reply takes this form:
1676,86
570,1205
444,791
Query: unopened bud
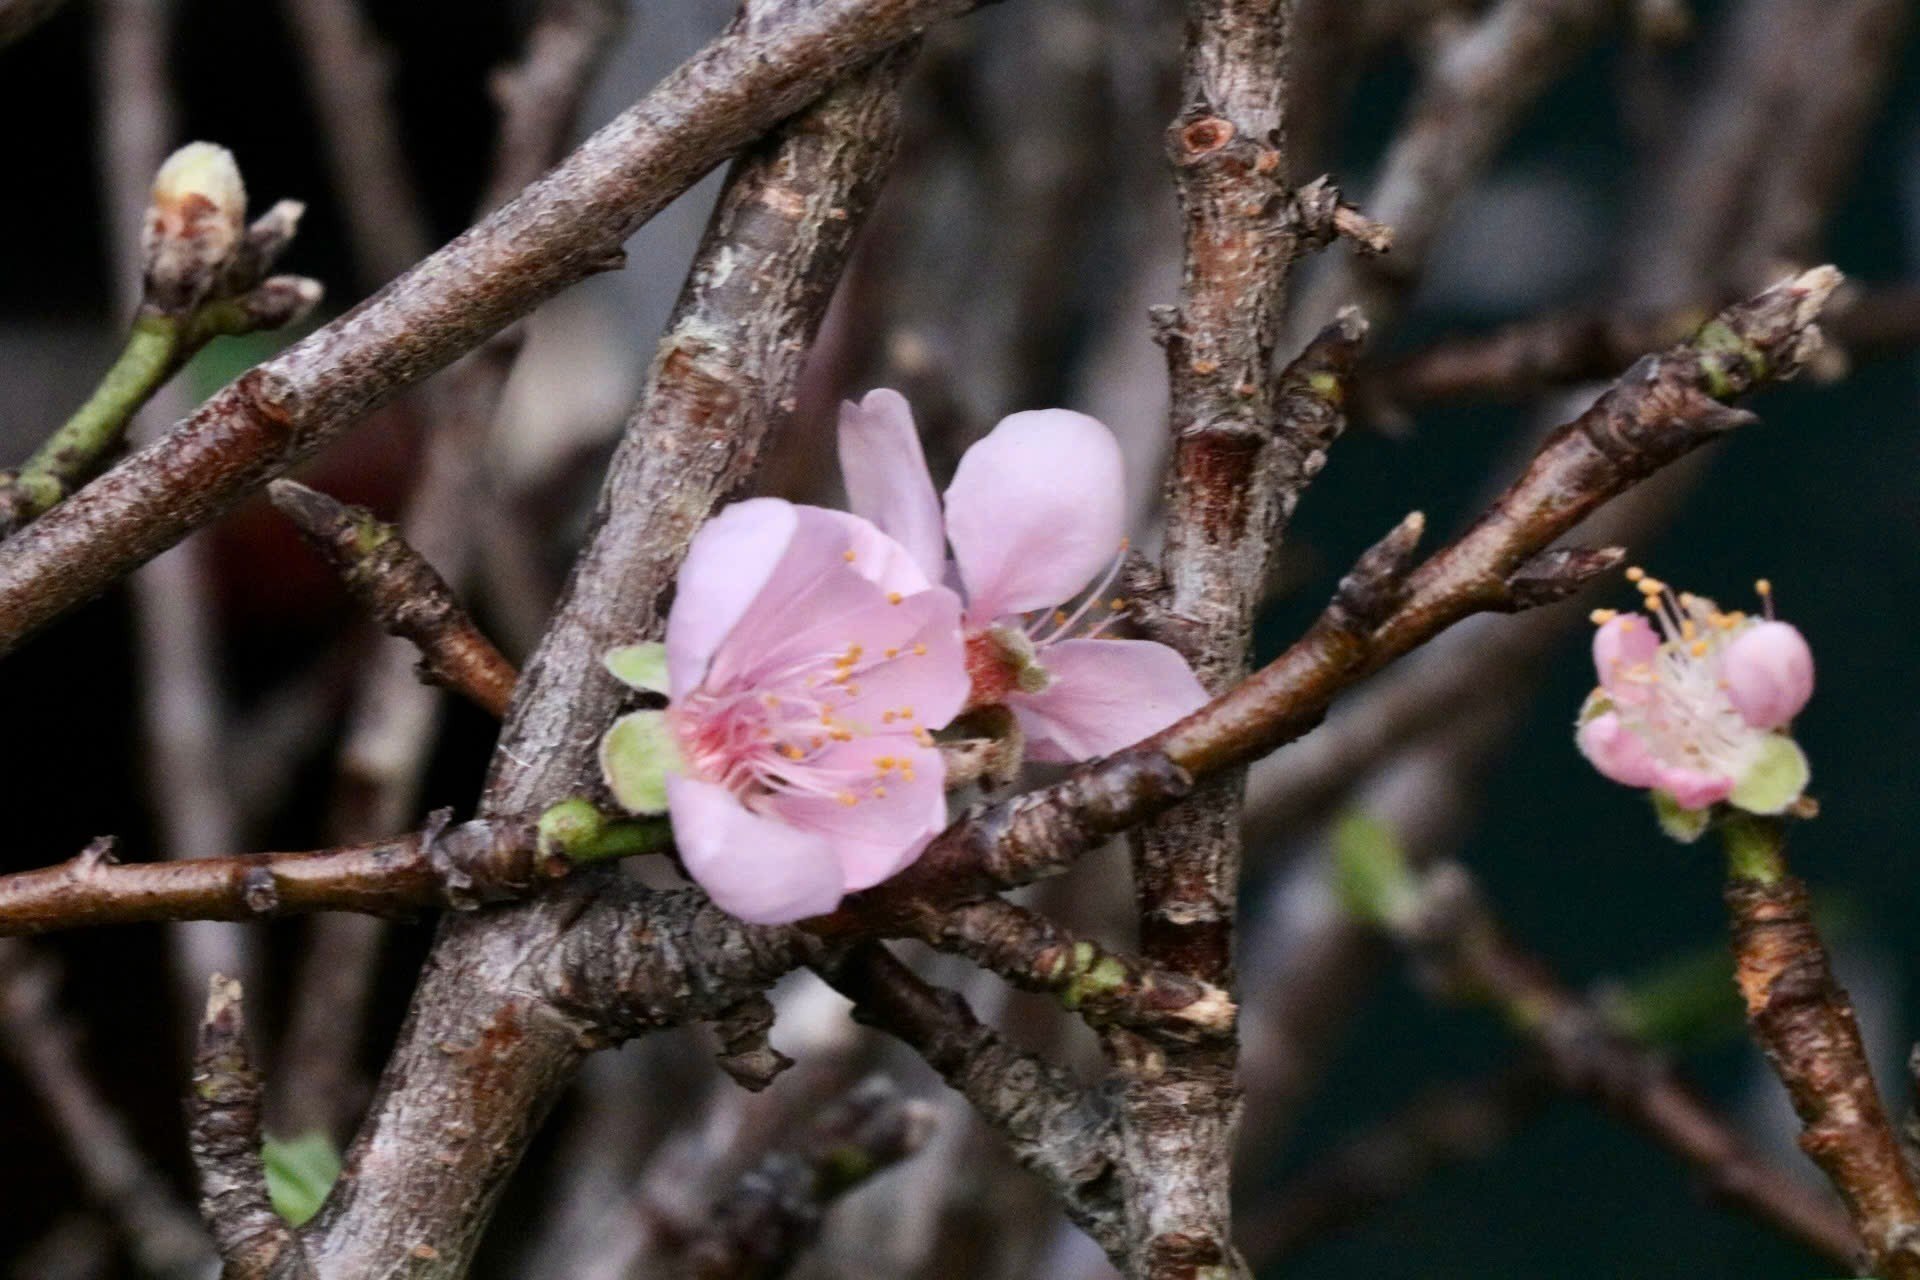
194,224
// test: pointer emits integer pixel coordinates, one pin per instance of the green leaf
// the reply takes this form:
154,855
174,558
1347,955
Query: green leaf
1680,823
643,666
635,758
300,1172
1775,779
1370,870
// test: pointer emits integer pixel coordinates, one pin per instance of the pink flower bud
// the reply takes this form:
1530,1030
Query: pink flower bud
1768,671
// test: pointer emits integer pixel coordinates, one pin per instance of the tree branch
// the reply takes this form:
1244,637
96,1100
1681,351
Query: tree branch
1804,1022
223,1116
1053,1126
724,376
459,867
775,1210
403,593
563,228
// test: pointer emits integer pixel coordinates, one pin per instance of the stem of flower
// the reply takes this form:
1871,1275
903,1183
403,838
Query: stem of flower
1756,848
155,350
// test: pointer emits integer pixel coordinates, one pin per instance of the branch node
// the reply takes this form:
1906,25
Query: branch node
1557,573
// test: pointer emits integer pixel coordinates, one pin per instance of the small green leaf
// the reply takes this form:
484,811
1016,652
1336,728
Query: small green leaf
635,758
1680,823
300,1172
643,666
1775,779
1370,870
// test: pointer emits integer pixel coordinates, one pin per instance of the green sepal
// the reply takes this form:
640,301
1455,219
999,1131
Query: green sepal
641,666
1596,705
1677,821
1777,777
300,1173
636,756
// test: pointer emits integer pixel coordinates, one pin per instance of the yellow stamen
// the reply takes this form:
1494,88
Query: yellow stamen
847,798
922,737
1635,573
879,793
888,717
1600,617
847,555
1699,649
892,652
894,597
1117,603
1059,617
1763,587
919,650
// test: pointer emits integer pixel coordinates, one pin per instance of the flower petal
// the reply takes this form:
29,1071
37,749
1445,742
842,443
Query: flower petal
879,834
887,479
1692,788
1623,643
925,682
834,565
1035,510
1618,752
1105,695
730,561
1768,671
755,867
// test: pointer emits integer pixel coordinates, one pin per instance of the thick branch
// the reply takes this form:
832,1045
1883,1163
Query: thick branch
223,1120
1804,1022
563,228
724,377
403,592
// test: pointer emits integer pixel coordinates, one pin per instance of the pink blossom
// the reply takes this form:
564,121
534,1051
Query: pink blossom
1691,700
1035,517
807,659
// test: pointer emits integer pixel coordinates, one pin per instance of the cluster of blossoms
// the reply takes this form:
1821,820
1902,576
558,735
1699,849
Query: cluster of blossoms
1694,702
811,656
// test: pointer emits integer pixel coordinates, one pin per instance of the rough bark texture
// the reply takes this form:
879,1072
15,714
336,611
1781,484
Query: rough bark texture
724,376
403,592
1805,1024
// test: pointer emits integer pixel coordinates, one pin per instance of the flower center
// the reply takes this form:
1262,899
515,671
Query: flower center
1676,699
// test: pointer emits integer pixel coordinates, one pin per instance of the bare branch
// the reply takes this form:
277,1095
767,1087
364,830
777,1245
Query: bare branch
724,377
1104,986
1053,1127
565,227
1805,1024
775,1210
403,592
460,867
223,1115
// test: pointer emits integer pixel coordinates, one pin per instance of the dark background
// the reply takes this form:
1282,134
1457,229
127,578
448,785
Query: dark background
1820,498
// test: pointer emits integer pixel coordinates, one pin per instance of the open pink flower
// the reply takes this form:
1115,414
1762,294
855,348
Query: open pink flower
1692,700
807,659
1035,516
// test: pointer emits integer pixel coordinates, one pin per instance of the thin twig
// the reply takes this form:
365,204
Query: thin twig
1053,1127
1463,954
460,866
1470,98
565,227
775,1210
403,592
223,1120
